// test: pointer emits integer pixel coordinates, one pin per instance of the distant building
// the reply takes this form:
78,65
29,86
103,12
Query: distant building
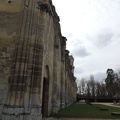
36,70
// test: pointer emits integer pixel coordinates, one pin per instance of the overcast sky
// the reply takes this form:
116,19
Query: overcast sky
92,28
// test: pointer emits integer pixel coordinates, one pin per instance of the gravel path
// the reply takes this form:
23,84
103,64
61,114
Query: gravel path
108,104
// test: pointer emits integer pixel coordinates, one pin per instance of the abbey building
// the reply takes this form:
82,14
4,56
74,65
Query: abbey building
36,70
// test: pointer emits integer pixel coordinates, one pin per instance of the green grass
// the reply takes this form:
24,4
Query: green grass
87,111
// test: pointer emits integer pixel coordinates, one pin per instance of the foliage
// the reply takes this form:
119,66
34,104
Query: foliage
91,88
94,89
112,83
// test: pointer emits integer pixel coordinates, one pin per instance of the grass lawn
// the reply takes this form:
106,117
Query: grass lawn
87,111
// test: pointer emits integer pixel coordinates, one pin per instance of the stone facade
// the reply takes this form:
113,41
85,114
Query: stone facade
36,70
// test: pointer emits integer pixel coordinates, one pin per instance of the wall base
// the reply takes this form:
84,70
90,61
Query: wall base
22,117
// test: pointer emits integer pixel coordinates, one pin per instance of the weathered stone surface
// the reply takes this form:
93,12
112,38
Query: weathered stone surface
36,70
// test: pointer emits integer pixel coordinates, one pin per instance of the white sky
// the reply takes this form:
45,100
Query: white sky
92,28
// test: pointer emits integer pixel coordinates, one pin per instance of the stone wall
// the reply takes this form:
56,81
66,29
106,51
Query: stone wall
36,72
9,22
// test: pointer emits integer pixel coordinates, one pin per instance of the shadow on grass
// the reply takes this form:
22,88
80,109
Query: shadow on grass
87,111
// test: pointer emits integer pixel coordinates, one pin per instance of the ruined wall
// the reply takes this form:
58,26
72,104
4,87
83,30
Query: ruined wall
26,66
70,84
35,74
63,95
9,24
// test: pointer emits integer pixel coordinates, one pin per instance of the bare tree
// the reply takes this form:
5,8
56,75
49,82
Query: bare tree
83,86
92,85
98,89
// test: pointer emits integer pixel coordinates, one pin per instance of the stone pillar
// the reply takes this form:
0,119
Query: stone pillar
63,95
62,89
56,83
65,92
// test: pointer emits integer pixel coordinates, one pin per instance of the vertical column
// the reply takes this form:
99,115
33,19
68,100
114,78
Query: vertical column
63,47
56,70
55,97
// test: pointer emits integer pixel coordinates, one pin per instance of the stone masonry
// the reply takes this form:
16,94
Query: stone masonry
36,70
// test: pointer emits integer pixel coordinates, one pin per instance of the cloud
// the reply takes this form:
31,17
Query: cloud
80,52
70,35
103,39
94,38
78,70
100,76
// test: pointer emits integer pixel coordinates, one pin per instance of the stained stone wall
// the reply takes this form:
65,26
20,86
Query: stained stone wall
36,70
